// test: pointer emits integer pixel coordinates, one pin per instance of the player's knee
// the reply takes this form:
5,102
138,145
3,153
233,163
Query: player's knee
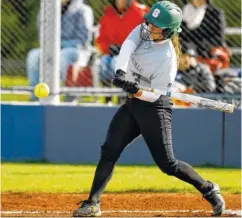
170,168
109,153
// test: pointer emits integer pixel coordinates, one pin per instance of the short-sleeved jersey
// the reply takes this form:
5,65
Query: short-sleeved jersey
150,64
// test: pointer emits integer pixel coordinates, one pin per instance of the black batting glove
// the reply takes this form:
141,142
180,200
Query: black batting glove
119,79
121,82
131,87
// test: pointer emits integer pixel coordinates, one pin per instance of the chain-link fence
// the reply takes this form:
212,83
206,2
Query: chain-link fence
91,37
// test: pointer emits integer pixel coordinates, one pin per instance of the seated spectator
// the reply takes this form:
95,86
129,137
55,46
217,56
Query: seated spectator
76,23
119,19
194,75
219,58
228,81
203,30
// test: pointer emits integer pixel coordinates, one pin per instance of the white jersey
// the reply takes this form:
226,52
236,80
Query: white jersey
151,64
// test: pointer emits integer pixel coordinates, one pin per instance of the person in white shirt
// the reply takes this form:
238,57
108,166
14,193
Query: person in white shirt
147,58
203,27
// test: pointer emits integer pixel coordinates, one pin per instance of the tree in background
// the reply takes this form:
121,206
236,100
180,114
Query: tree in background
18,27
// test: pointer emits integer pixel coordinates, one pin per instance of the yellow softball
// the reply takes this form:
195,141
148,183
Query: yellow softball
41,90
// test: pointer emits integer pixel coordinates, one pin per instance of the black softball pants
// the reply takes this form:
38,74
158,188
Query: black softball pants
154,122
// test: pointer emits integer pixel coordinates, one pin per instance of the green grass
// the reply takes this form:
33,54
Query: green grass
9,81
52,178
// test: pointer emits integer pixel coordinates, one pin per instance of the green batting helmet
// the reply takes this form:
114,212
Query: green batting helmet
167,16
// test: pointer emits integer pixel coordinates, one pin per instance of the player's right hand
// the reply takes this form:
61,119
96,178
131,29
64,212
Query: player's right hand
131,87
121,82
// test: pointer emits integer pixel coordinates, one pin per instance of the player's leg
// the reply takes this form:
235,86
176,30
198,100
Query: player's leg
156,129
122,130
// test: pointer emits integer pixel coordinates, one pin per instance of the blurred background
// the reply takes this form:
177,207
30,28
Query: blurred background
72,45
91,36
51,147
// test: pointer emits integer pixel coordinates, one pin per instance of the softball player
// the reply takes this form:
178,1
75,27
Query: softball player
147,58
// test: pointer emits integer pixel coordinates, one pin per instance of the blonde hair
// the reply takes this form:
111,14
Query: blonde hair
176,43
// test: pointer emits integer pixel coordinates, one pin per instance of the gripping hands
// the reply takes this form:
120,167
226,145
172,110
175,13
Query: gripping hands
120,81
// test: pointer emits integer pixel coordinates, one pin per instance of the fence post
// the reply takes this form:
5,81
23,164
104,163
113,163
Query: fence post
50,18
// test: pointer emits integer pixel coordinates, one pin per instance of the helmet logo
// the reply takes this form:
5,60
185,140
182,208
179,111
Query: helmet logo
156,13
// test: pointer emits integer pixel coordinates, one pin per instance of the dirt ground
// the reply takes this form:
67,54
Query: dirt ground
115,205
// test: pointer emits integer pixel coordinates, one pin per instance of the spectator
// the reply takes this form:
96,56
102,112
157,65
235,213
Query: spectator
203,29
119,19
76,24
195,75
228,81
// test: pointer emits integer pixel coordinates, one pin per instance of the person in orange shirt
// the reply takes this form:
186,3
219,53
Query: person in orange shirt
119,19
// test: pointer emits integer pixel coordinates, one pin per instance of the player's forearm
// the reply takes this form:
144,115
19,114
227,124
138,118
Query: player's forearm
133,88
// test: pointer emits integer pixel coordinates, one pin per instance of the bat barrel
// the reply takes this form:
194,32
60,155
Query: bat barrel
225,107
204,102
196,100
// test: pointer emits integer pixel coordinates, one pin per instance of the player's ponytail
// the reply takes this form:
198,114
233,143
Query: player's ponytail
176,43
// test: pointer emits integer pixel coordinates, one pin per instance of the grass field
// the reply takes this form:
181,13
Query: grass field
52,178
9,81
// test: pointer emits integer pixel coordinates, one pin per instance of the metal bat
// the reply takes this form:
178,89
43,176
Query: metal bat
196,100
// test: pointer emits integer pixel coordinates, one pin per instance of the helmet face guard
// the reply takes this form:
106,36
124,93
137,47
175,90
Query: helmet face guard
145,32
164,15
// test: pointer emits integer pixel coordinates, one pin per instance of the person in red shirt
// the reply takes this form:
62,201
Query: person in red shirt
119,19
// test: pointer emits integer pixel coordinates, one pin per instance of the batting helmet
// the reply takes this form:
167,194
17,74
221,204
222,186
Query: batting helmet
165,15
